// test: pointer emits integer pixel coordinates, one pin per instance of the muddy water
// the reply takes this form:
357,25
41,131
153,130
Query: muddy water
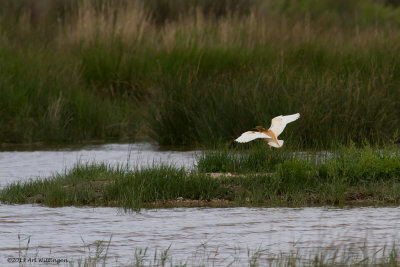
195,235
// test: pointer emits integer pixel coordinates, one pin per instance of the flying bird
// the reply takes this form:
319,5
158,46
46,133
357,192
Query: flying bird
270,135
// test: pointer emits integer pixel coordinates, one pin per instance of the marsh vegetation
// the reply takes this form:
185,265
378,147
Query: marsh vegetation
198,72
347,176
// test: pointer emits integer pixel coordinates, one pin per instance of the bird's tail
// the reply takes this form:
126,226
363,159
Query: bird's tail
273,144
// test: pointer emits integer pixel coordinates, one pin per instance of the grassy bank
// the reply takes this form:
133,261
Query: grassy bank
349,176
198,72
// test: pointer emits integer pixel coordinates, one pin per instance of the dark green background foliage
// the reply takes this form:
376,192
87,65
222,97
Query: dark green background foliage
199,72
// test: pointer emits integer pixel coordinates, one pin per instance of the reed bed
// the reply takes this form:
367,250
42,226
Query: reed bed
349,176
199,72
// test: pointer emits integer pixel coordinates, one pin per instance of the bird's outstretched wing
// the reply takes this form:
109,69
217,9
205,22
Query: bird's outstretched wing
278,124
250,136
290,118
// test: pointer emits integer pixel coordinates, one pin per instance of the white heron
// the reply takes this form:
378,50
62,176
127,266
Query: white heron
270,135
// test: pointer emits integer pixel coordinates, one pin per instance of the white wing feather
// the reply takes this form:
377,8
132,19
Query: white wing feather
290,118
278,124
250,136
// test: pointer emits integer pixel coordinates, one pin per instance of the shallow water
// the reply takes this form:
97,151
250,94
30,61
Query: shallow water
21,165
62,232
217,236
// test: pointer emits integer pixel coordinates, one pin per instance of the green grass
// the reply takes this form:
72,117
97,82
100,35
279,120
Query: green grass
354,163
200,72
257,159
349,176
101,185
43,98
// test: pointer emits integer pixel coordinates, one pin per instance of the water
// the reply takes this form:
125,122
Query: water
21,165
218,236
62,232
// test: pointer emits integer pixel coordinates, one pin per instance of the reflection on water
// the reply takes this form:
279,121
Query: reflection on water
20,165
62,232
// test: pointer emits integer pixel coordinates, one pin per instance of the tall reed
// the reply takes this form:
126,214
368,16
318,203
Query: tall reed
200,73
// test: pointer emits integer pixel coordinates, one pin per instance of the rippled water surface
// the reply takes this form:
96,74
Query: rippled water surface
62,232
20,165
218,236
